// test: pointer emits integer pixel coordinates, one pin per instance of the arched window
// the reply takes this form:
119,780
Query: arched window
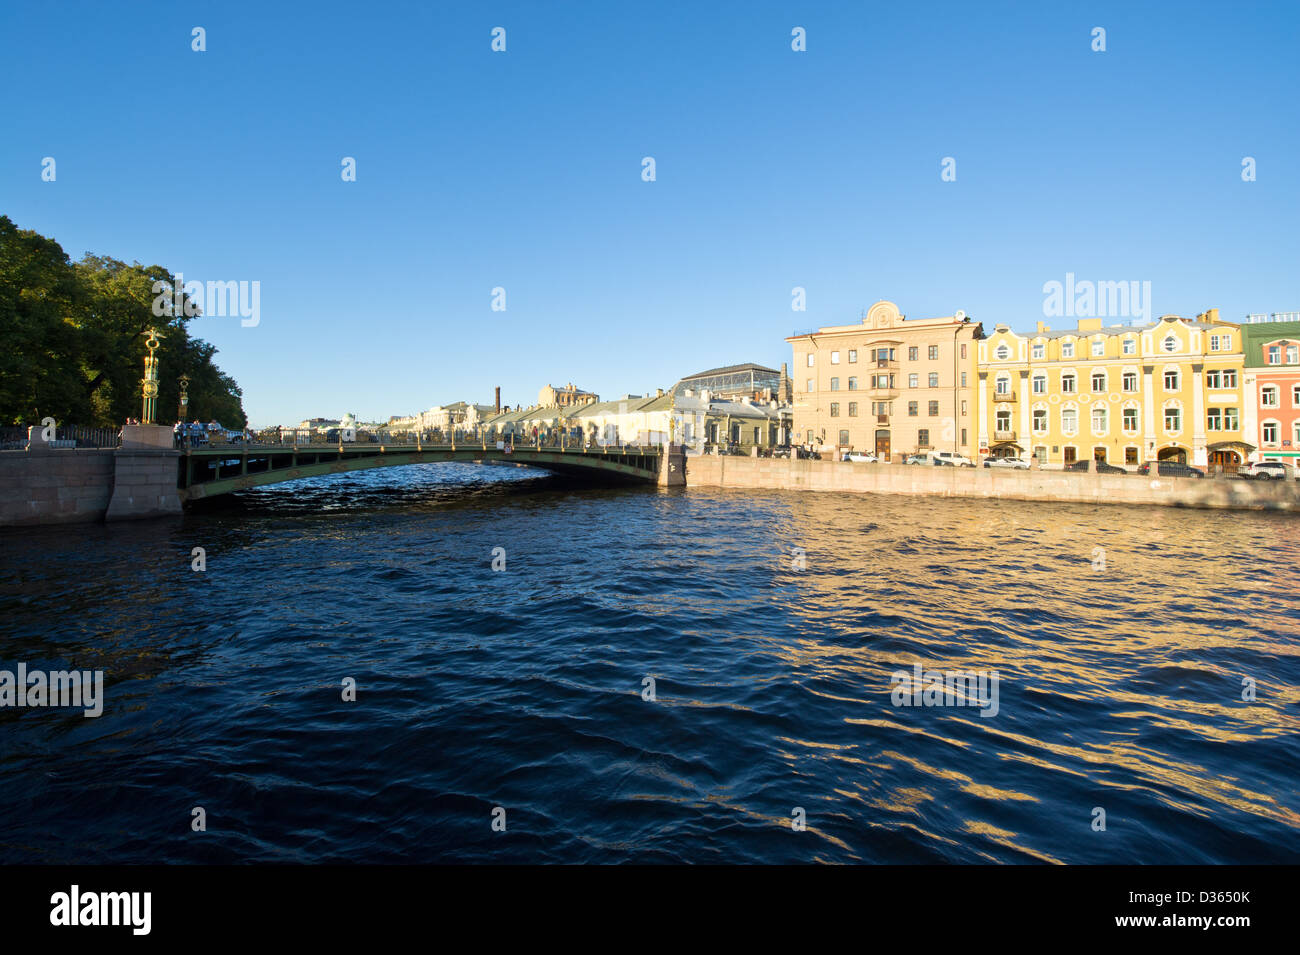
1098,381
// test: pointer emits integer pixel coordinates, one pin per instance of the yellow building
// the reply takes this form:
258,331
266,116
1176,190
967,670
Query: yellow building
1125,394
888,384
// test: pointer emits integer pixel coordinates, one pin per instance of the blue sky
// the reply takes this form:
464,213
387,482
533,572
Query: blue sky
522,170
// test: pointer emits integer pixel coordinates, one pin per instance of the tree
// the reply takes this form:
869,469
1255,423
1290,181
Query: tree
77,334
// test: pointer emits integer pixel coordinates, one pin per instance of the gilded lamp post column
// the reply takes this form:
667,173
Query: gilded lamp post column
149,383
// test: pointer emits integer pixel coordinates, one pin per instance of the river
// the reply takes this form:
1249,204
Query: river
652,676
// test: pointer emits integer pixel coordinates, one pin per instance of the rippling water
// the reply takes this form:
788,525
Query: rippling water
1121,688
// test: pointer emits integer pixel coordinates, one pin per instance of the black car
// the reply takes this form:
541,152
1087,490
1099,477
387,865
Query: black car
1171,469
1101,466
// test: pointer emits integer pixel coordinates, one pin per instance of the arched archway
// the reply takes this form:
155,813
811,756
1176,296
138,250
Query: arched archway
1172,453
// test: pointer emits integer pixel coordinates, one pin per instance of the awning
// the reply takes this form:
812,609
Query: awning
1230,446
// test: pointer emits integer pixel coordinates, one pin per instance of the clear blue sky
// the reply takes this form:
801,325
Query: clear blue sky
523,170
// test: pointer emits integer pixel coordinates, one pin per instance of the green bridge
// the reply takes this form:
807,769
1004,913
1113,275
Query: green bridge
208,471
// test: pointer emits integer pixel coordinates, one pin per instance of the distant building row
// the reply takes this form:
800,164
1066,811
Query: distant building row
1202,391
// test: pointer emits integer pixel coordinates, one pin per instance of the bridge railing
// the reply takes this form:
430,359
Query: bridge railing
551,439
14,437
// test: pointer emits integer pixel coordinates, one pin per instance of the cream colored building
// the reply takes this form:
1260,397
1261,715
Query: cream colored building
566,397
889,384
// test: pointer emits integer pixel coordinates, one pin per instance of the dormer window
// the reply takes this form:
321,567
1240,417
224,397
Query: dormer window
1170,344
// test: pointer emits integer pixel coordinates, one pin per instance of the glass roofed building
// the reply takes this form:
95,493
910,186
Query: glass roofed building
754,381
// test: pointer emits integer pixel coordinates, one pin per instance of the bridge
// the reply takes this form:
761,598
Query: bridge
210,470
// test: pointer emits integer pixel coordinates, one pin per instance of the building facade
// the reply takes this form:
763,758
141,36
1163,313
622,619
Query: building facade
1170,390
566,397
890,385
1272,358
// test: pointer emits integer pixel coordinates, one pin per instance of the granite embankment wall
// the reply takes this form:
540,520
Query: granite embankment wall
1085,488
65,486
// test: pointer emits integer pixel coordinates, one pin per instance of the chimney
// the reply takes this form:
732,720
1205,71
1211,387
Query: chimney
498,401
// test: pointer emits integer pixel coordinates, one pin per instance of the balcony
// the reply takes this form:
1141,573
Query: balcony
1004,396
885,364
882,419
1004,436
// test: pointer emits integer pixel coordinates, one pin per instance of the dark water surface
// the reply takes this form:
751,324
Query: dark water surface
1121,688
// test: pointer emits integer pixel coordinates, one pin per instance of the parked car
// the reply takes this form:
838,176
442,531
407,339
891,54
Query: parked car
915,459
1264,471
951,459
1171,469
1101,467
1015,464
861,457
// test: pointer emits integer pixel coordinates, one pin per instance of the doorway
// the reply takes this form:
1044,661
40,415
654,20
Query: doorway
882,445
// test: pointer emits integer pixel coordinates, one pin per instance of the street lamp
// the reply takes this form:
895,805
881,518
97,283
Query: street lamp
184,382
149,383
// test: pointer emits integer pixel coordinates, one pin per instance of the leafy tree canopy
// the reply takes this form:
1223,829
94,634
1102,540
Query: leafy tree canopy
74,337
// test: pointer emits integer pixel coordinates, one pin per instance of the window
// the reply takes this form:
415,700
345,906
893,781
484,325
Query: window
963,349
1040,384
1067,383
1002,386
1295,434
1099,419
1171,379
911,409
1270,432
933,352
934,379
853,409
1173,419
810,388
913,381
1214,420
1231,419
1213,377
1295,396
1040,420
811,360
1069,420
1098,347
1227,343
1214,343
1130,381
882,407
835,409
1130,455
1291,355
1170,344
923,437
1067,349
844,438
1270,396
963,379
1003,353
1002,421
1129,419
963,437
1230,378
1098,381
853,355
1275,354
963,408
934,408
912,353
853,384
1038,351
1130,346
835,358
835,384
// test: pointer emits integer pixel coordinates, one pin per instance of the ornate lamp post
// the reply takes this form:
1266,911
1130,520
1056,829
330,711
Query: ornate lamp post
149,383
184,382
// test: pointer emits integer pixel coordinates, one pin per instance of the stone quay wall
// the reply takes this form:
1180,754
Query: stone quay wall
1083,488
